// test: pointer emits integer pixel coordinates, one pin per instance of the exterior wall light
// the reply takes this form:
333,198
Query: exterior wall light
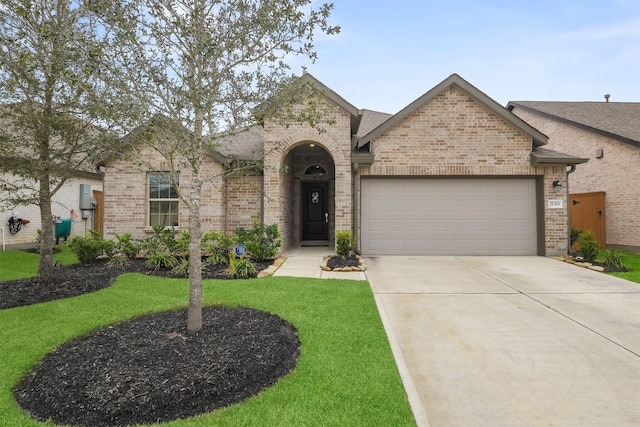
556,185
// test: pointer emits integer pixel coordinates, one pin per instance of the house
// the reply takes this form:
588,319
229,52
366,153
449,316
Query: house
453,173
605,196
78,201
67,204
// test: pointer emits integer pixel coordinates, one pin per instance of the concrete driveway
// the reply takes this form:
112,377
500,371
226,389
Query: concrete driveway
511,341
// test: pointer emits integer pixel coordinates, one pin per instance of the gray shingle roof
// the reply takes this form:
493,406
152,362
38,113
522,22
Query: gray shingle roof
371,120
619,120
245,145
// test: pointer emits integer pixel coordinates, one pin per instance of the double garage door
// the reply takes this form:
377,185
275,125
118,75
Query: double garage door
448,217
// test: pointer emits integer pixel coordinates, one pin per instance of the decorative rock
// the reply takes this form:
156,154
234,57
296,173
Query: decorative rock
596,268
264,273
583,264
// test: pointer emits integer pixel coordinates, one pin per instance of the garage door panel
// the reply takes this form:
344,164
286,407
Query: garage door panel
440,216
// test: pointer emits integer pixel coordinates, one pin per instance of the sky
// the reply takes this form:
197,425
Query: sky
390,52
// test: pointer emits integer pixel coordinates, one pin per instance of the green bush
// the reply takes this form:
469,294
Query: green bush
89,248
118,259
126,245
574,235
240,268
612,258
182,267
216,246
161,260
589,245
344,242
162,240
262,242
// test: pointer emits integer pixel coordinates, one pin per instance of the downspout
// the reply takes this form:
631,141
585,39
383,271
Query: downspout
571,170
262,197
356,207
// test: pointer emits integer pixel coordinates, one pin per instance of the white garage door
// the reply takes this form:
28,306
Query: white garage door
448,217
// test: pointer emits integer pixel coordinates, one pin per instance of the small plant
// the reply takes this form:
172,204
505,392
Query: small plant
126,245
89,248
612,258
216,247
162,240
574,235
589,245
262,241
240,268
161,260
38,240
344,242
119,260
182,267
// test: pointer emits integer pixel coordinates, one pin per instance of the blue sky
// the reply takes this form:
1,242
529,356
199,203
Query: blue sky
390,52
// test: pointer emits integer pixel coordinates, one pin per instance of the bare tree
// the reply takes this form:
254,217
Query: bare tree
206,64
56,105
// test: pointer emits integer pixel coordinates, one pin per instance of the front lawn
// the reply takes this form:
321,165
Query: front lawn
17,264
632,262
346,374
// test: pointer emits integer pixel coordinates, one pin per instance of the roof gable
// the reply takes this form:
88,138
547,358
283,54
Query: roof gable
617,120
537,137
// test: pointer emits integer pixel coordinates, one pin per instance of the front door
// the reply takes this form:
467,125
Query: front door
315,211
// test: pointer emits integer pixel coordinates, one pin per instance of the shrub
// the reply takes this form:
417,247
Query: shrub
589,245
162,240
161,260
344,242
182,267
216,247
612,258
119,259
574,235
89,248
126,245
240,268
262,242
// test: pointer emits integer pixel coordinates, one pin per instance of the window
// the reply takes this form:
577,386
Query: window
163,200
315,170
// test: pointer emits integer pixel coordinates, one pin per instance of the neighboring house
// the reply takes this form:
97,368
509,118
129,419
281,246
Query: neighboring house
453,173
66,204
605,195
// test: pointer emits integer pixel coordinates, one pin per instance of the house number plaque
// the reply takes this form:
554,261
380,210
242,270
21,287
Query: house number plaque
315,197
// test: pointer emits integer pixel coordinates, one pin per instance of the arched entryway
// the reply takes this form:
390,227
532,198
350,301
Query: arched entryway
311,175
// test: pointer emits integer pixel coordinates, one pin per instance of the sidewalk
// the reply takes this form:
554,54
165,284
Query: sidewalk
307,262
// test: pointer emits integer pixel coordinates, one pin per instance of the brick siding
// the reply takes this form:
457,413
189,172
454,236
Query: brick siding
616,173
454,135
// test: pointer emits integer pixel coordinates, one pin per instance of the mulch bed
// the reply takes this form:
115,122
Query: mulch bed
77,279
337,261
148,369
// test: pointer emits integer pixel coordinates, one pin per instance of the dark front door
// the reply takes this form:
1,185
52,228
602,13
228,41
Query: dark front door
315,211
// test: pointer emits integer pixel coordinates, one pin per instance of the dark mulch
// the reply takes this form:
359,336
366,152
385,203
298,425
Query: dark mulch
77,279
338,261
148,370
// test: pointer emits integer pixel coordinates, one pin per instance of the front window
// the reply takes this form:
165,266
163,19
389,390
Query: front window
163,200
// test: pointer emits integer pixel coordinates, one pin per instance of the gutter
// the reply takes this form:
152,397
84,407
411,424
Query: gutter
572,169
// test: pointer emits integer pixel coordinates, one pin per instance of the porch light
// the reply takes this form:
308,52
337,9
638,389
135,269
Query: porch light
556,185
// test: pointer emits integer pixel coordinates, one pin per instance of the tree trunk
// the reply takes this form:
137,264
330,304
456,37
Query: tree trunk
194,311
45,267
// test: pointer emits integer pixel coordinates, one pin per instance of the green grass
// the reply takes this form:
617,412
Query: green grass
346,375
632,262
19,264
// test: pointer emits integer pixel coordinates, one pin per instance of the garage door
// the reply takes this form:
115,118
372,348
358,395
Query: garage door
448,217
